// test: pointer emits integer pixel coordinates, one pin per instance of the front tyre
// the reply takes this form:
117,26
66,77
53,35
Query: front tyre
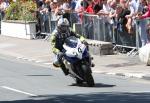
88,76
78,81
89,79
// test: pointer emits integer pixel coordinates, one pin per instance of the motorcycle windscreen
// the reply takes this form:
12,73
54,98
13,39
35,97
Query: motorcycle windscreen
71,41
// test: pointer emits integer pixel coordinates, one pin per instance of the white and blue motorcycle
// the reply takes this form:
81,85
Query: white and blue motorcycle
78,61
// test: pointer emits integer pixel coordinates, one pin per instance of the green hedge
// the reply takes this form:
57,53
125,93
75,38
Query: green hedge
21,10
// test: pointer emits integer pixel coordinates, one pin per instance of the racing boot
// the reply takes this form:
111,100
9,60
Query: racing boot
56,63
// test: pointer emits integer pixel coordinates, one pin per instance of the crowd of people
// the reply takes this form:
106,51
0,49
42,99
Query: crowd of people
122,13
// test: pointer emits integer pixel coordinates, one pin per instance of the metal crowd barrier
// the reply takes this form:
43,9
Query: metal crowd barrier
0,21
89,24
141,32
99,28
43,24
48,22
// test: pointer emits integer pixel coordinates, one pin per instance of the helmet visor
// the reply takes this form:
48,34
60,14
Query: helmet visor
63,28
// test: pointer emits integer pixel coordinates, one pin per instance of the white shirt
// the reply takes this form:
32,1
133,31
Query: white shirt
134,6
78,5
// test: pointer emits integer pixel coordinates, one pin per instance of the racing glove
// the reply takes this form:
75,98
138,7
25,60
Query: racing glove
85,42
60,55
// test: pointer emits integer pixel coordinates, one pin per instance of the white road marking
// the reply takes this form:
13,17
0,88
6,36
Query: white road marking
48,63
35,60
139,91
38,61
47,55
138,75
6,45
19,91
31,60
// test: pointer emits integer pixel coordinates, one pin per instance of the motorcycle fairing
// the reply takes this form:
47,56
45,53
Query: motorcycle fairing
74,50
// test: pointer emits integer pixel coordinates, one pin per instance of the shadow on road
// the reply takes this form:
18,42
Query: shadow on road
89,98
103,85
39,75
97,85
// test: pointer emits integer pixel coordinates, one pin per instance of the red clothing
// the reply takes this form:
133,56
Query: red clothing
147,14
89,9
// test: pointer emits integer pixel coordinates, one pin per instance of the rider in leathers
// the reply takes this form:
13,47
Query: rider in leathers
57,40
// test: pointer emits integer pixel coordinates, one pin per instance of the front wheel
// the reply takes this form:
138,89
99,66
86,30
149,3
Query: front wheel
88,76
78,81
89,80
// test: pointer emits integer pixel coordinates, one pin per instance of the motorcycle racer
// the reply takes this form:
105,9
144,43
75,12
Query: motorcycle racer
58,37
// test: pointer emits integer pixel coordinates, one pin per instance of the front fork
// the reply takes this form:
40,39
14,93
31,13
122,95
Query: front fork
89,59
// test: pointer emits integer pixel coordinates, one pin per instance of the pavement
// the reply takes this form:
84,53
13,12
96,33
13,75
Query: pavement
39,51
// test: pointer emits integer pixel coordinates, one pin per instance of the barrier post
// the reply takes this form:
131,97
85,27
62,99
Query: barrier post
137,34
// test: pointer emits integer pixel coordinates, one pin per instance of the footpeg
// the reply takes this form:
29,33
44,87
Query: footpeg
92,65
92,58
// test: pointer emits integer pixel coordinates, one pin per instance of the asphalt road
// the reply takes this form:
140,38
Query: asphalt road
25,82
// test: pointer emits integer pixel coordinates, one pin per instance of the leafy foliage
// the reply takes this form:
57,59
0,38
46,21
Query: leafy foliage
21,10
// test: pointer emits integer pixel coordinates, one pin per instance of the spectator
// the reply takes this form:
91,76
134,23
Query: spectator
97,7
54,14
88,22
122,20
69,11
89,9
3,6
105,8
69,6
110,22
44,17
148,33
135,8
79,9
78,5
59,9
107,14
39,4
48,5
146,10
143,26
